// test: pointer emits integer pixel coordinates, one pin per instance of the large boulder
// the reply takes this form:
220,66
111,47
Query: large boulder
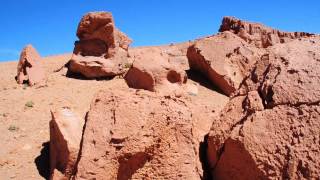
102,50
258,34
29,67
136,134
270,129
225,59
65,139
152,70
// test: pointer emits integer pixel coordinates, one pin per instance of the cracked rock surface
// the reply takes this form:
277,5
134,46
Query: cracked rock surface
137,134
270,129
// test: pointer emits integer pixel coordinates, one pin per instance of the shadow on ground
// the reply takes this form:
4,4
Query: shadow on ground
43,161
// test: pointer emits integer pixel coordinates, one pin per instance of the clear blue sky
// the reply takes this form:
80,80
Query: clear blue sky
50,25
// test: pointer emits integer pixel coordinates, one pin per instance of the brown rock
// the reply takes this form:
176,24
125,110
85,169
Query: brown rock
258,34
225,59
271,129
65,137
102,50
29,67
144,136
151,70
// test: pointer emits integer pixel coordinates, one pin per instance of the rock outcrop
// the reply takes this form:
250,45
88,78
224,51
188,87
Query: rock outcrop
225,59
258,34
65,140
152,70
158,128
137,134
271,128
102,50
29,68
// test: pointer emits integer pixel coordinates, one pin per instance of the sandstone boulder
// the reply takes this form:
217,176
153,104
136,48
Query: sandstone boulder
258,34
151,70
271,129
65,138
102,50
225,59
137,134
29,67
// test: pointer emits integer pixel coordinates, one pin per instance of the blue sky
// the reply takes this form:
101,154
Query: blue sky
51,25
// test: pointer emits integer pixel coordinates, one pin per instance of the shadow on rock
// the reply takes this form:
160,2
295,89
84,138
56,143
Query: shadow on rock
203,158
43,161
203,80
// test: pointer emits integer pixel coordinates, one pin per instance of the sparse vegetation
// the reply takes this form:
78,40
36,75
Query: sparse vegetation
128,65
13,128
25,86
29,104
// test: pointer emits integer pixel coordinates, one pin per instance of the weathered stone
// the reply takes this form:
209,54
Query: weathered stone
102,50
65,141
270,129
137,134
151,70
225,59
258,34
29,68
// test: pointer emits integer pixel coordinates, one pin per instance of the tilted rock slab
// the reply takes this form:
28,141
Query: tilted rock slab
271,128
225,59
29,67
137,134
65,138
102,50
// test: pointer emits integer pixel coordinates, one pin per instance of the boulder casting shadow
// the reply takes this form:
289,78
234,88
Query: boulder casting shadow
43,161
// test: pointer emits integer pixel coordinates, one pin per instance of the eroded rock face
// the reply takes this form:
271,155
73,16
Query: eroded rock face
258,34
136,134
270,129
29,67
225,59
65,138
152,70
102,50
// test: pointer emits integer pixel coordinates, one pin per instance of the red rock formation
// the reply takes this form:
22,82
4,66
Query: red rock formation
137,134
29,67
65,137
152,70
102,50
270,130
225,59
258,34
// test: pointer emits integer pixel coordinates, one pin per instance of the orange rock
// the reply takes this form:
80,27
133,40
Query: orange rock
137,134
102,50
65,137
225,59
29,67
258,34
151,70
270,129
